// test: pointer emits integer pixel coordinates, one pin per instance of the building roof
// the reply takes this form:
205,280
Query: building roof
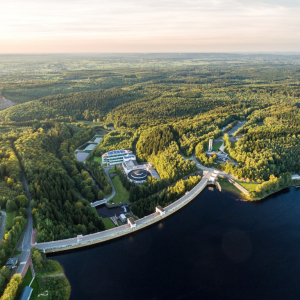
160,208
114,152
130,221
26,293
11,262
129,157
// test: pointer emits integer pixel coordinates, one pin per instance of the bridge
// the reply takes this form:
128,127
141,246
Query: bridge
99,202
161,213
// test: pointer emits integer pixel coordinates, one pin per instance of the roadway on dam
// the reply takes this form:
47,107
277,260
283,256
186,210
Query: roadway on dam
102,236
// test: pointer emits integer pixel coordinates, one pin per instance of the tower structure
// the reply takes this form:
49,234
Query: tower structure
210,144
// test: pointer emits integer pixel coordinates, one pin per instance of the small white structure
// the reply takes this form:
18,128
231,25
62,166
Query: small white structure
160,210
131,222
123,218
210,144
295,177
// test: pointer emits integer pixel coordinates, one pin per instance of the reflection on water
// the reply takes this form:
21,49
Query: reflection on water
214,248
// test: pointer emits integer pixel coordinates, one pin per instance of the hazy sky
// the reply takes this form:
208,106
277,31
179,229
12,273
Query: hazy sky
31,26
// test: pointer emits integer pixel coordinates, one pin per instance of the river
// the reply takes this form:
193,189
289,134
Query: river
216,247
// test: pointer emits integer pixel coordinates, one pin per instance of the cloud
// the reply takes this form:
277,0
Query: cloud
125,22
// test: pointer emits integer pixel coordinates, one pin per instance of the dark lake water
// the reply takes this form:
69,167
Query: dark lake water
105,212
214,248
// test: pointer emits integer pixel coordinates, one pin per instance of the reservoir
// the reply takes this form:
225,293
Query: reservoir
216,247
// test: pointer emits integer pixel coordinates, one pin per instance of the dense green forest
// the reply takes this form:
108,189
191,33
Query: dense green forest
57,208
164,107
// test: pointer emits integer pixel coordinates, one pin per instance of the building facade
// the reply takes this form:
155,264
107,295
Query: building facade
115,157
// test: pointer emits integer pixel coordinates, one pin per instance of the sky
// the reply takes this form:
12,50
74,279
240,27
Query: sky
79,26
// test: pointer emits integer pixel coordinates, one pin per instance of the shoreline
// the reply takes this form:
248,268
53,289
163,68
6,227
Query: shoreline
249,199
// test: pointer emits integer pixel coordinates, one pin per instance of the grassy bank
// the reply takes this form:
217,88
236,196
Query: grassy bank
122,195
50,281
274,191
248,186
108,223
227,186
34,285
98,159
216,146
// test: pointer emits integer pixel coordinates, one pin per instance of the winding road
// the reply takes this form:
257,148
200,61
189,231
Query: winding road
105,200
25,241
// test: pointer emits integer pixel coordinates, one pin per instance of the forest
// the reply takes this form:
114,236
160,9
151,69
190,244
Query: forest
163,107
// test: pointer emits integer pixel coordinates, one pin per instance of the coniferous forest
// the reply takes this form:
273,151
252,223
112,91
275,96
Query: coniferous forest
165,108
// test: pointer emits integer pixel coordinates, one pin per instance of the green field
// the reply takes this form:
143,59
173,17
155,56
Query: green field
9,222
112,171
217,146
98,159
248,186
91,123
34,285
108,223
227,186
122,195
35,292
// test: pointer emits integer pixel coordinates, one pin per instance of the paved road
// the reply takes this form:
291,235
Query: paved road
236,127
25,241
125,229
2,229
220,172
99,202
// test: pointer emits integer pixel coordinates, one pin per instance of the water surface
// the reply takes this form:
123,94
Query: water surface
214,248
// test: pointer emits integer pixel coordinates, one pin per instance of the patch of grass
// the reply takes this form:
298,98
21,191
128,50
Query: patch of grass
25,282
122,195
35,292
17,252
227,186
248,186
91,123
9,222
98,159
217,146
113,170
108,223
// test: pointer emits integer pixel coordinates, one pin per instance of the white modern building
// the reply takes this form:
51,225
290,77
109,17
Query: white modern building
115,157
129,163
